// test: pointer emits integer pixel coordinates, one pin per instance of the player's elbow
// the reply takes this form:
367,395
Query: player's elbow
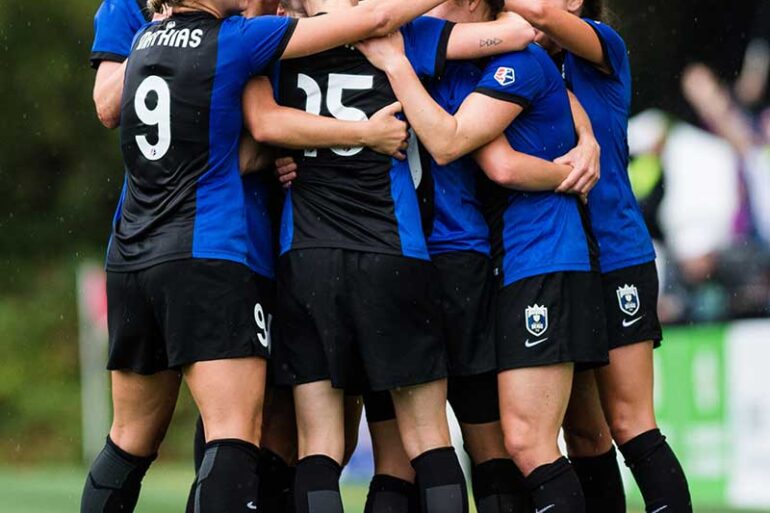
264,131
537,13
108,117
445,154
503,175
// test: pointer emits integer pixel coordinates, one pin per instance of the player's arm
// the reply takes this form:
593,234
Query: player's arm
479,120
515,170
585,157
108,90
372,18
254,156
508,33
276,125
567,30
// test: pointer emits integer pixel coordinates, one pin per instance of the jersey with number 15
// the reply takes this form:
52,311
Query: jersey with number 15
355,198
180,126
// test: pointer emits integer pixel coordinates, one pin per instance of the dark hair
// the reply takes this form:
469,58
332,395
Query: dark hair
157,6
594,9
495,6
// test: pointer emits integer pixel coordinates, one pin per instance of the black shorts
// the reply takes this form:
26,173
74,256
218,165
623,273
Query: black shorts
365,321
176,313
631,305
468,293
552,318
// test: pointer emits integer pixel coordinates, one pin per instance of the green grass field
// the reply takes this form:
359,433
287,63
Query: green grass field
57,490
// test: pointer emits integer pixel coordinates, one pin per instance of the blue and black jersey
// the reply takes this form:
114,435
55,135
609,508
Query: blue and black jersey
615,215
535,233
181,122
458,221
115,24
354,198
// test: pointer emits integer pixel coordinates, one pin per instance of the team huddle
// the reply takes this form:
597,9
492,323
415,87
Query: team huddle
442,235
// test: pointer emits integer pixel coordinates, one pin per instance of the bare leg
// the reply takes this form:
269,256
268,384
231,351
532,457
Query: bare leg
390,458
279,426
354,405
585,429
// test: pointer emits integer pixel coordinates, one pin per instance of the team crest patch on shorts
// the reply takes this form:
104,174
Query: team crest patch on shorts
536,319
628,299
505,76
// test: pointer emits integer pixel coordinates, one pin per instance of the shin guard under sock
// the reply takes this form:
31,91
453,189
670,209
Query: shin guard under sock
275,479
227,480
388,494
602,485
658,473
498,487
441,482
317,485
114,481
556,488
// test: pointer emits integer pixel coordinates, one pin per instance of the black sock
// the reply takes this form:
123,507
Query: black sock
227,480
114,481
388,494
317,485
657,472
275,477
498,487
556,488
602,485
199,448
441,482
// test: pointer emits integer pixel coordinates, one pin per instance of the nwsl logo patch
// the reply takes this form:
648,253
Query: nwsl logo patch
505,76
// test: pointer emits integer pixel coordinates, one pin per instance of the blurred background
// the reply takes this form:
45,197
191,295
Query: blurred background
700,142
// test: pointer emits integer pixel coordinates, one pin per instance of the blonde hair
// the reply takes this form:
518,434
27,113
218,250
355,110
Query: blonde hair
157,6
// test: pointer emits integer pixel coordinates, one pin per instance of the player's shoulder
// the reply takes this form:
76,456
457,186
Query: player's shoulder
607,34
121,8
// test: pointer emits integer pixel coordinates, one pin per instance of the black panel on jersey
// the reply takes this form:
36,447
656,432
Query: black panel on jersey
145,234
329,187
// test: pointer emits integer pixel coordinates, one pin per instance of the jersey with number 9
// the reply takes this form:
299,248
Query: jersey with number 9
180,126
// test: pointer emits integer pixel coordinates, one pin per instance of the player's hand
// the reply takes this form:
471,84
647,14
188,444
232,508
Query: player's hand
286,171
386,133
383,52
586,167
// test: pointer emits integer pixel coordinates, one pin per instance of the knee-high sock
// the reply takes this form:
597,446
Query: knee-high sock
499,487
317,485
199,448
228,481
388,494
441,482
275,480
114,481
658,473
602,485
556,488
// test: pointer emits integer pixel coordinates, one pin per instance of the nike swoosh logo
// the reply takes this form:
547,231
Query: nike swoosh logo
251,505
527,343
661,509
626,324
551,506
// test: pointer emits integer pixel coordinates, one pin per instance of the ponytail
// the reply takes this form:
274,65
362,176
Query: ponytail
158,6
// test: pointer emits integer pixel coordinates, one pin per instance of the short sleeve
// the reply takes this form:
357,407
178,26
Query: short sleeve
612,44
115,25
425,44
264,39
515,77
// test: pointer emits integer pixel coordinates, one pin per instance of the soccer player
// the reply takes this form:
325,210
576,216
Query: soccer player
179,242
543,253
596,67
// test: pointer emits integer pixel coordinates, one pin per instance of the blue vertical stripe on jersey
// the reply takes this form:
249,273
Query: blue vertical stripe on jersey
220,217
287,224
407,211
118,212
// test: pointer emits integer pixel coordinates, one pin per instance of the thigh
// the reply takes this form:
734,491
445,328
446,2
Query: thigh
467,301
143,407
396,314
211,310
421,416
136,342
320,420
631,304
229,394
585,428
